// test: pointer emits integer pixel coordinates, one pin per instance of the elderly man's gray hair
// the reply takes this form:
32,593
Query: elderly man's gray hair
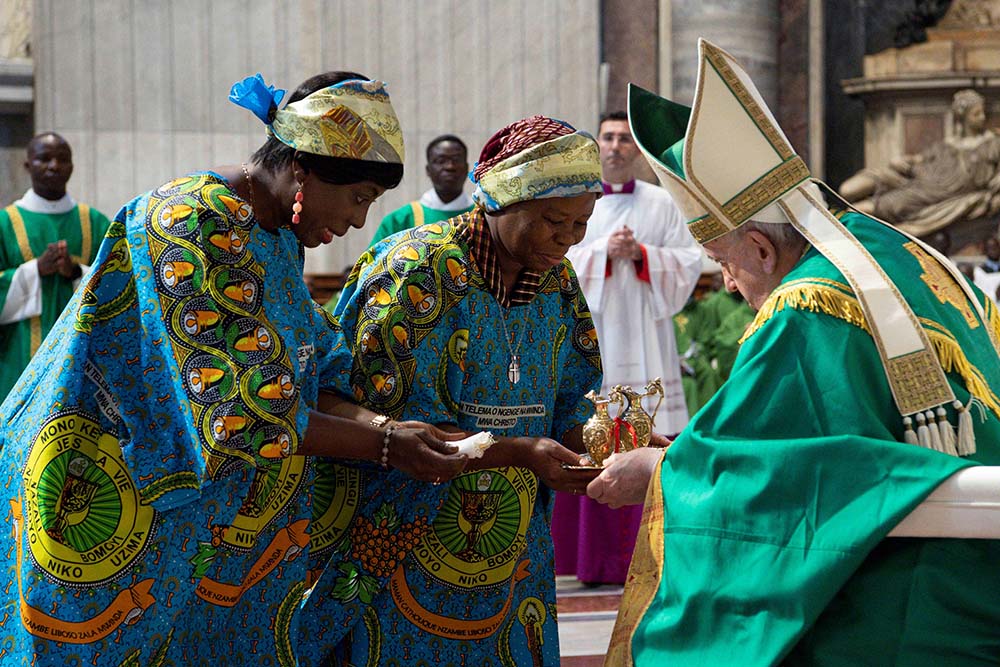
782,235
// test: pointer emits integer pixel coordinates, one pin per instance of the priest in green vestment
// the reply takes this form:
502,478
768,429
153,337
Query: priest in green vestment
708,331
447,167
47,240
869,375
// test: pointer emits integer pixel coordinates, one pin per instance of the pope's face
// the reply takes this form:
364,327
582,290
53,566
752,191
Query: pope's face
744,267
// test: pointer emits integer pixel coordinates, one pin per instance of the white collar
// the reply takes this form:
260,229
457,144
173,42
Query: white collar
34,203
430,199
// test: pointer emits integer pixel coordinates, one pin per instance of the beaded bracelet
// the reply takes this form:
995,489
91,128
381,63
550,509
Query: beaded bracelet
384,461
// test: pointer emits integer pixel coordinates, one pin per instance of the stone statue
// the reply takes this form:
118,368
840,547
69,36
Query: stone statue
957,179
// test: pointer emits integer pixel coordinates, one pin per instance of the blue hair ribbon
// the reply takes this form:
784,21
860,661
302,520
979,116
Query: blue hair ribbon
253,94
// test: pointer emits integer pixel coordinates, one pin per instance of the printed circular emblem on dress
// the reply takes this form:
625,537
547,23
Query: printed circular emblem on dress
207,377
221,199
336,493
566,282
478,535
272,442
419,295
249,341
223,243
429,232
86,524
585,336
179,272
406,255
369,339
240,287
273,487
400,337
378,293
379,379
454,272
176,216
272,388
228,425
174,186
199,319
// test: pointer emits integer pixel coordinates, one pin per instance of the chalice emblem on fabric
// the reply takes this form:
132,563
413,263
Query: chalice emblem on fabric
74,499
479,507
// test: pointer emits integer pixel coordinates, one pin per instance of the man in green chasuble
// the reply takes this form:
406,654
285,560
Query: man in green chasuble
869,375
46,240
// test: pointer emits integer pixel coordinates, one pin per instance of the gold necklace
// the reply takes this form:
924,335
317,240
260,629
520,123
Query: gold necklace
249,185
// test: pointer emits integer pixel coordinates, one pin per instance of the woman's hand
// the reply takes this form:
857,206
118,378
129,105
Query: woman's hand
420,451
546,459
433,431
625,477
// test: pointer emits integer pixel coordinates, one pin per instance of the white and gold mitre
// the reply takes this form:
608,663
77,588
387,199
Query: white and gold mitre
725,161
730,126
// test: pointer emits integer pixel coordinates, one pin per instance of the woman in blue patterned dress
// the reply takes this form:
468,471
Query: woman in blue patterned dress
474,324
159,454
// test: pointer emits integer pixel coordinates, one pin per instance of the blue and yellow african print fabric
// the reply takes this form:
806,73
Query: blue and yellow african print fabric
157,513
474,585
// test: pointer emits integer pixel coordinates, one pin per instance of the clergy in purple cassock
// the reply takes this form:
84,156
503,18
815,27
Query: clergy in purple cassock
637,266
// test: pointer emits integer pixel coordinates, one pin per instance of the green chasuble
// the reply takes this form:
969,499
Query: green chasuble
724,343
713,326
698,378
768,547
24,236
411,215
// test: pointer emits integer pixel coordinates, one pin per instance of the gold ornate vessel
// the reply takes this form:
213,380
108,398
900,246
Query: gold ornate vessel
634,424
655,387
598,429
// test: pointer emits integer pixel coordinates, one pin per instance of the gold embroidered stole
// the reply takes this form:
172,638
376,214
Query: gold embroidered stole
643,575
21,234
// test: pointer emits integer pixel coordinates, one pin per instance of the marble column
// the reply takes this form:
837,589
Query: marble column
748,29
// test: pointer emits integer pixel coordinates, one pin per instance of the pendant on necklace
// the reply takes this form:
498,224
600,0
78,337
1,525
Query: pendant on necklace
514,370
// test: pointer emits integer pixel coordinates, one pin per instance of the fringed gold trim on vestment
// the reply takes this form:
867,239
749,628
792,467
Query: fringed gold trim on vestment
815,295
835,299
992,319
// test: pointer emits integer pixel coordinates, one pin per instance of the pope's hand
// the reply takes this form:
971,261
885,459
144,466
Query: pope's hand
625,477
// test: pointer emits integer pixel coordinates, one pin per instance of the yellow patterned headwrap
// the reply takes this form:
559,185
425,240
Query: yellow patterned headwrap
522,162
352,119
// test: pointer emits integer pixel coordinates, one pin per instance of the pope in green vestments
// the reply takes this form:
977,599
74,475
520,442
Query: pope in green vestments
31,297
764,534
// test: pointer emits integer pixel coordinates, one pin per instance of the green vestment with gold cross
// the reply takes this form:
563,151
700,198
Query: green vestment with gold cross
24,235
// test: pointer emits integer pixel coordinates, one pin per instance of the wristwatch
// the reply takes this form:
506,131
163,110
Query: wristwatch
379,421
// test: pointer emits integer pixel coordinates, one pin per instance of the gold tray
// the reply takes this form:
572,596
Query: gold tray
583,471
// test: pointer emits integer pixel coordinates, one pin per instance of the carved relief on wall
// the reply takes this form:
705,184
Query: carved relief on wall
932,129
953,180
971,14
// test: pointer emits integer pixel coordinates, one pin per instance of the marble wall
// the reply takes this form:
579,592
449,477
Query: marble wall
16,125
139,87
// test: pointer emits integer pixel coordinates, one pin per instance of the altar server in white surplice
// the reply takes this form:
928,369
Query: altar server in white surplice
637,265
